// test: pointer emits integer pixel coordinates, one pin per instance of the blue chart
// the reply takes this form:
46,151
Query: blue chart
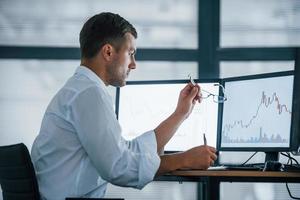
258,113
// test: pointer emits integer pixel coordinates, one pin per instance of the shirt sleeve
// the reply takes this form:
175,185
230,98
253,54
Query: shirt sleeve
131,164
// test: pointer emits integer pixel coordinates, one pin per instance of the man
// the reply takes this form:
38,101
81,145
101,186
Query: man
79,148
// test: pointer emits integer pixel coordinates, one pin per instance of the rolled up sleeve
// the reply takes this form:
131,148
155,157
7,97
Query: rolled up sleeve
146,145
124,163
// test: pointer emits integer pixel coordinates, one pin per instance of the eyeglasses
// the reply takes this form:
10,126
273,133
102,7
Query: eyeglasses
216,98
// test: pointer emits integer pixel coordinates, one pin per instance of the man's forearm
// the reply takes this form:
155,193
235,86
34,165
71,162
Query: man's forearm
200,157
170,163
166,130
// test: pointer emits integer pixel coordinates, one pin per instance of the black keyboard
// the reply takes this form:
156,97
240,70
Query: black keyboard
234,167
247,168
291,168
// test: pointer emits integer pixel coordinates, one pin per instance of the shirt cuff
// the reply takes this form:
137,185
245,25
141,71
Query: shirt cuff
150,165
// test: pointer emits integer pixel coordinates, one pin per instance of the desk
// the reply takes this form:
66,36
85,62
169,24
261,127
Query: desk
211,179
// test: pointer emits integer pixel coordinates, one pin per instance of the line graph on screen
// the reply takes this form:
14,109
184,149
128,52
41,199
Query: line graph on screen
259,117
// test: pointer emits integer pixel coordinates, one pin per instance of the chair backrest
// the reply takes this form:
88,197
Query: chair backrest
17,175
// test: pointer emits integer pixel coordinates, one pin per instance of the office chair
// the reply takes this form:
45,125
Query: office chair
17,175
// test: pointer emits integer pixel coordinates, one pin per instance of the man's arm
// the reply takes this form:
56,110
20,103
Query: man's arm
187,99
200,157
166,130
99,134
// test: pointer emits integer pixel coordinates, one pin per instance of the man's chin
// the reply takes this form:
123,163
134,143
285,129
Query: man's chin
119,84
123,84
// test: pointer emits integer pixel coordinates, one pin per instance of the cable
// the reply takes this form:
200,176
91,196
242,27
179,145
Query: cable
290,157
290,160
293,159
288,189
249,158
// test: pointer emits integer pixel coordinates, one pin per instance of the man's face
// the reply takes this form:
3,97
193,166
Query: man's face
118,70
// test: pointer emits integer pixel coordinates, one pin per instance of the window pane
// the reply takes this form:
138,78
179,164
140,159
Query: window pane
57,23
164,70
156,190
232,69
260,23
263,191
26,88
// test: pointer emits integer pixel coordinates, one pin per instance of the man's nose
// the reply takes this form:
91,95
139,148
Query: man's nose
132,64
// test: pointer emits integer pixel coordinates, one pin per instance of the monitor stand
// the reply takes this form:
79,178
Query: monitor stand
272,156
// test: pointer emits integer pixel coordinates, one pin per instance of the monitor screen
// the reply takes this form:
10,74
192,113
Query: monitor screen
142,106
257,114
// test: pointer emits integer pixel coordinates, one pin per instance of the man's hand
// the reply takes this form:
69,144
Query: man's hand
200,157
188,97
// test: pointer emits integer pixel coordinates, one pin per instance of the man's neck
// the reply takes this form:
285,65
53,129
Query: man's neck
96,67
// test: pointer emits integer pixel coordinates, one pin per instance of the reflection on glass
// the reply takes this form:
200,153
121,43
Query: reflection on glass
166,24
260,23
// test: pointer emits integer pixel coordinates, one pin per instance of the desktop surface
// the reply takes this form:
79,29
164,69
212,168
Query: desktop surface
233,173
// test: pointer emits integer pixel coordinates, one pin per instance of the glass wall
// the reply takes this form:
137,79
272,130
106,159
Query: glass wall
255,23
156,190
162,70
160,24
258,191
26,88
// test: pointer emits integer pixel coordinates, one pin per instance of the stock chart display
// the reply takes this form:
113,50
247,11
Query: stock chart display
257,112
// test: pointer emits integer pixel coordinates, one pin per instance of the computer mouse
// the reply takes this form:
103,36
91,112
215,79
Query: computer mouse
273,166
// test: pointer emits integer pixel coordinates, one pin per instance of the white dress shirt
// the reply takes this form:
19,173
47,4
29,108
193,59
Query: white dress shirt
80,148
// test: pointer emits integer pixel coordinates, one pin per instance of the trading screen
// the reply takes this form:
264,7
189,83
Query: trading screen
257,112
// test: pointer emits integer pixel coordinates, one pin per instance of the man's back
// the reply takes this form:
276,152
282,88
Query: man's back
57,152
80,139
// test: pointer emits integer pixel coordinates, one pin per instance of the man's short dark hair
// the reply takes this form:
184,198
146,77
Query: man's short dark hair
101,29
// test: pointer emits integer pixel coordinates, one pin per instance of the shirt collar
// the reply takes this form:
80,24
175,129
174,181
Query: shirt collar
83,70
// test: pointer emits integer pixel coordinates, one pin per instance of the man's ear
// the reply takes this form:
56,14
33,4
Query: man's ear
107,51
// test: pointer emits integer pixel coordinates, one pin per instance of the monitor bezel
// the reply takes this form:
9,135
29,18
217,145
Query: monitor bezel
150,82
296,105
220,114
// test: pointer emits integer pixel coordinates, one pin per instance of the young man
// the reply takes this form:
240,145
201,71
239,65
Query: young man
80,148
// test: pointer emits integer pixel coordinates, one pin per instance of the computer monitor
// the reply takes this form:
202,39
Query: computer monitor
142,105
257,115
